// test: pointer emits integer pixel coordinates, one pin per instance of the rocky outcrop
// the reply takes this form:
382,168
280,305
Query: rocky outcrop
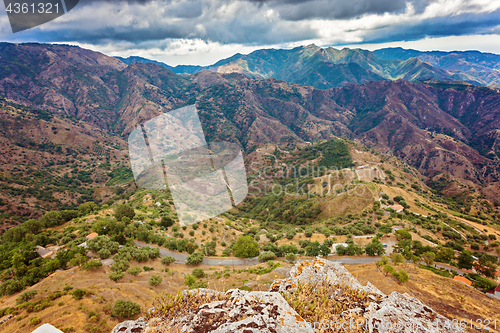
241,311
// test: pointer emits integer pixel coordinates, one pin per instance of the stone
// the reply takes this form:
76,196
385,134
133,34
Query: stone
131,326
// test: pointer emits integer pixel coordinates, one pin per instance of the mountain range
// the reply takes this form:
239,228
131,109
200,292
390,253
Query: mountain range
81,105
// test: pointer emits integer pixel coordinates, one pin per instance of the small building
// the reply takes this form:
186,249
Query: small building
463,280
397,227
497,291
397,208
43,252
92,235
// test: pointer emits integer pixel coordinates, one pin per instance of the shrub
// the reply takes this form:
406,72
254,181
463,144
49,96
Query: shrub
400,276
189,280
26,296
35,321
167,260
79,293
91,265
104,253
115,276
134,270
290,257
198,273
155,280
191,233
147,268
266,256
125,309
11,286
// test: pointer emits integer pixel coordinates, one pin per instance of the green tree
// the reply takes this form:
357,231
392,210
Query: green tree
388,269
124,210
465,260
167,260
246,247
429,257
115,276
195,258
397,258
375,248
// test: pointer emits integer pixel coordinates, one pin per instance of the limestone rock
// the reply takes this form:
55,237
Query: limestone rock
131,326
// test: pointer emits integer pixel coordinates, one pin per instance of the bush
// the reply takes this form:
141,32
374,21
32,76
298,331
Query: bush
400,276
35,321
195,258
167,260
104,253
198,273
290,257
155,280
11,286
115,276
79,293
26,296
189,280
134,270
266,256
91,265
125,309
397,258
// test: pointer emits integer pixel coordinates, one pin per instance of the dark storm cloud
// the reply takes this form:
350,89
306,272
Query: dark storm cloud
458,25
334,9
256,22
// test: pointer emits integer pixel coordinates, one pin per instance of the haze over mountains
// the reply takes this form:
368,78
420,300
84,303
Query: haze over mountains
405,107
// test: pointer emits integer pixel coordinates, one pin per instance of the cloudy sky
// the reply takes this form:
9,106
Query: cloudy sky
202,32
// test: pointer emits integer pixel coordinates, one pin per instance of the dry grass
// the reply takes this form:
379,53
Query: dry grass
448,297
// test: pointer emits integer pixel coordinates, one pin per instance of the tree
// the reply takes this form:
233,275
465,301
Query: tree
402,234
166,221
385,259
325,249
155,280
375,248
379,264
167,260
486,265
115,276
445,254
416,259
465,260
194,259
125,309
388,269
429,257
246,247
124,210
397,258
32,226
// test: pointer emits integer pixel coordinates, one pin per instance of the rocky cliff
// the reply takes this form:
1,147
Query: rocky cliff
319,296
